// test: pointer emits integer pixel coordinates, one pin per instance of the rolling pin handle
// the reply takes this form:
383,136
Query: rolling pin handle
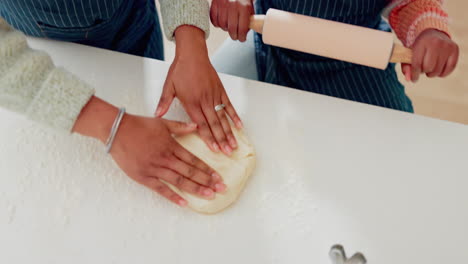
401,54
256,23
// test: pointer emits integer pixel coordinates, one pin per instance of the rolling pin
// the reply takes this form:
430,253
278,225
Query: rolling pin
331,39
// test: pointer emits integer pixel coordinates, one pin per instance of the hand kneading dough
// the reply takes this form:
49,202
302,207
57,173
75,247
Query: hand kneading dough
234,170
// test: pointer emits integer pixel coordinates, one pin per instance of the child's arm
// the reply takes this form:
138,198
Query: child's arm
423,26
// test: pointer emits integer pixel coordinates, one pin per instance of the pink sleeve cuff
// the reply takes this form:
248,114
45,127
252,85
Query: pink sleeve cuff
409,18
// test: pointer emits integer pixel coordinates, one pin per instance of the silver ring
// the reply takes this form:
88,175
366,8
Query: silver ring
220,107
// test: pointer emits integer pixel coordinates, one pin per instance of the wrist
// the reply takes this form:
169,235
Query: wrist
96,119
190,43
435,31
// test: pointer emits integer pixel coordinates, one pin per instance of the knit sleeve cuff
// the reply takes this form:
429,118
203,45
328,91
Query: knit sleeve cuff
60,100
411,17
176,13
428,20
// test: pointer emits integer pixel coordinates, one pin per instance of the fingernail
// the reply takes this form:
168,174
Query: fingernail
239,124
408,76
220,187
192,125
183,203
215,176
215,146
208,193
158,111
228,149
233,142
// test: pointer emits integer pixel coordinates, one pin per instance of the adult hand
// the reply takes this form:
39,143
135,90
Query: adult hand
232,16
144,148
194,81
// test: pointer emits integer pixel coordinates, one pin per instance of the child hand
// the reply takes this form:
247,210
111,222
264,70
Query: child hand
232,16
434,54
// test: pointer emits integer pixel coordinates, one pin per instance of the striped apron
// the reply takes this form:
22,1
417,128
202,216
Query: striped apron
327,76
129,26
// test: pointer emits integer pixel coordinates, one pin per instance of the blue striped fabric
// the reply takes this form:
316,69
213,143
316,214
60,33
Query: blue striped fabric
129,26
327,76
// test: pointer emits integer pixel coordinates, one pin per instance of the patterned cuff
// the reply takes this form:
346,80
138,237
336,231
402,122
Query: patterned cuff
411,17
428,20
176,13
60,100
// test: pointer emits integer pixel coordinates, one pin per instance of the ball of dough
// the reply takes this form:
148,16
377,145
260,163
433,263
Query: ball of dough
235,171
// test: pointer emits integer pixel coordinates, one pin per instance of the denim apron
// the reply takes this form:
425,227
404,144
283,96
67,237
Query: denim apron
129,26
327,76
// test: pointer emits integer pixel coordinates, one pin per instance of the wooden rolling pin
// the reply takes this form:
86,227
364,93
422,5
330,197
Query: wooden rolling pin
369,47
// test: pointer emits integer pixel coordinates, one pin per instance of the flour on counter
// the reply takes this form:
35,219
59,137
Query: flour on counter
42,159
11,213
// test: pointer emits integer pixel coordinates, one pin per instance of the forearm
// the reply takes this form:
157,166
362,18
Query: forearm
409,18
96,119
190,43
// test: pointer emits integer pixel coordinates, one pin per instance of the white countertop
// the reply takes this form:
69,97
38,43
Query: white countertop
389,184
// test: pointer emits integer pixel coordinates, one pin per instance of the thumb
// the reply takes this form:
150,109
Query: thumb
406,68
180,128
166,99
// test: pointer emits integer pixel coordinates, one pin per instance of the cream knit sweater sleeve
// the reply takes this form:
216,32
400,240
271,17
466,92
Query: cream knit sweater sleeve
30,84
176,13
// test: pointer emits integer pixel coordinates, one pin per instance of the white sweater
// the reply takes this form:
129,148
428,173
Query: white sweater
30,83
